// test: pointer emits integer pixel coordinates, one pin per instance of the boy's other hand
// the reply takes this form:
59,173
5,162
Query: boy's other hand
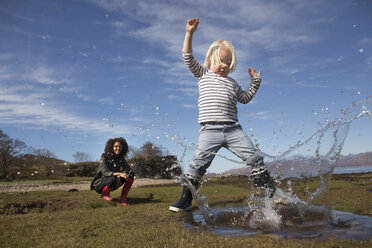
192,25
253,73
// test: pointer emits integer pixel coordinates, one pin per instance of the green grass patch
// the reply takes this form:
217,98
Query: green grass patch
83,219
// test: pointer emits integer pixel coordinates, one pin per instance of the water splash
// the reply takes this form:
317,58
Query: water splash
305,159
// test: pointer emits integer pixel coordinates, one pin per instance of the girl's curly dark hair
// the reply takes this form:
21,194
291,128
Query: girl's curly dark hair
109,148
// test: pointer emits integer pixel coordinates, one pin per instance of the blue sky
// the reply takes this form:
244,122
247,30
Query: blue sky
75,73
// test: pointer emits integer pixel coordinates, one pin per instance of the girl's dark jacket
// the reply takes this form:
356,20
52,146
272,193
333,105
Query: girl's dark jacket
107,166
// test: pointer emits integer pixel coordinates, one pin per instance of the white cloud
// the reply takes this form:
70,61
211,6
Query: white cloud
37,110
186,91
190,106
44,76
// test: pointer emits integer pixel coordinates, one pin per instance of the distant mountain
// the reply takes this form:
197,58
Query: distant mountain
307,164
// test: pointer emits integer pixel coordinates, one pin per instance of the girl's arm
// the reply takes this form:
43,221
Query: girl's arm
191,26
246,96
104,167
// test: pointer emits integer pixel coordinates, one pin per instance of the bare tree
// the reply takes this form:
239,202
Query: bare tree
151,150
82,157
133,152
44,153
10,149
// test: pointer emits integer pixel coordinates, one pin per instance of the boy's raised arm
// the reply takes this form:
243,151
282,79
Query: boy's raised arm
191,26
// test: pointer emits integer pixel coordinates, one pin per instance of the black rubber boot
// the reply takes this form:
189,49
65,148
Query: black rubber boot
184,203
261,177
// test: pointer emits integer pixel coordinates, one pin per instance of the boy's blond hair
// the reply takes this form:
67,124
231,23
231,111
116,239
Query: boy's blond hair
213,54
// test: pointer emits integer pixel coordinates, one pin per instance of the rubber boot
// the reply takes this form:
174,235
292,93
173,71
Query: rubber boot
261,177
106,193
184,203
124,192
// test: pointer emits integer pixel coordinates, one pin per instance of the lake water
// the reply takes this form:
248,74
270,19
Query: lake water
353,169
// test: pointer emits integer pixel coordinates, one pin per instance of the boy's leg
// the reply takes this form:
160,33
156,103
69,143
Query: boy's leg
209,142
239,143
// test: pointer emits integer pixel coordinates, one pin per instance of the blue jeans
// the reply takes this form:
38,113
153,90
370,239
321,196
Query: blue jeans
230,136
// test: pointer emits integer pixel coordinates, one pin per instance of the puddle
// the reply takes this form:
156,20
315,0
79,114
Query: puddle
310,224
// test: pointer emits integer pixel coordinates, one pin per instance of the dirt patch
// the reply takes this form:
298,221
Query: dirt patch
37,206
79,186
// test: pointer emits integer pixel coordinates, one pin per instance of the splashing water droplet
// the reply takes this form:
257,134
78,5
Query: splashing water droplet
358,92
42,104
361,50
354,26
157,137
251,129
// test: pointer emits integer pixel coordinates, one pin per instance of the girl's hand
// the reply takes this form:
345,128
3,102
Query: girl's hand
192,25
252,72
123,175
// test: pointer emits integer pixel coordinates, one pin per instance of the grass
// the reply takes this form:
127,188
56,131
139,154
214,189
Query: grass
83,219
47,181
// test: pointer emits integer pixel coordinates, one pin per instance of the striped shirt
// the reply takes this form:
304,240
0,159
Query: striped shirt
218,95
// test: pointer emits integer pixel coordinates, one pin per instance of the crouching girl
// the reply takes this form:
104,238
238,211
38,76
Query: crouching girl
113,171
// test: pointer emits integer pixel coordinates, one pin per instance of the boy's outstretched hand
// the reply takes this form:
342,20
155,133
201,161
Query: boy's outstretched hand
192,25
252,72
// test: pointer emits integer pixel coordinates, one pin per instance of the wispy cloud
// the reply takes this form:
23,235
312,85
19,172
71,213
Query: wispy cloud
190,106
37,110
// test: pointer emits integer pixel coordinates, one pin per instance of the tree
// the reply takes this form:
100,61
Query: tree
10,150
151,150
133,152
45,153
82,157
150,161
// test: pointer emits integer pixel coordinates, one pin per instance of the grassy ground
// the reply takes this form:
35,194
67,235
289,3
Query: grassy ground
83,219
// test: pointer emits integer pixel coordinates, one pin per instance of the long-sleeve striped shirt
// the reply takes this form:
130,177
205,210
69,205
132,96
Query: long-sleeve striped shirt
218,96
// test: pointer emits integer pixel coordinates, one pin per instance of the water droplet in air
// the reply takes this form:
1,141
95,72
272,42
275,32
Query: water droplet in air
157,137
251,129
358,92
18,173
354,26
42,104
361,50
